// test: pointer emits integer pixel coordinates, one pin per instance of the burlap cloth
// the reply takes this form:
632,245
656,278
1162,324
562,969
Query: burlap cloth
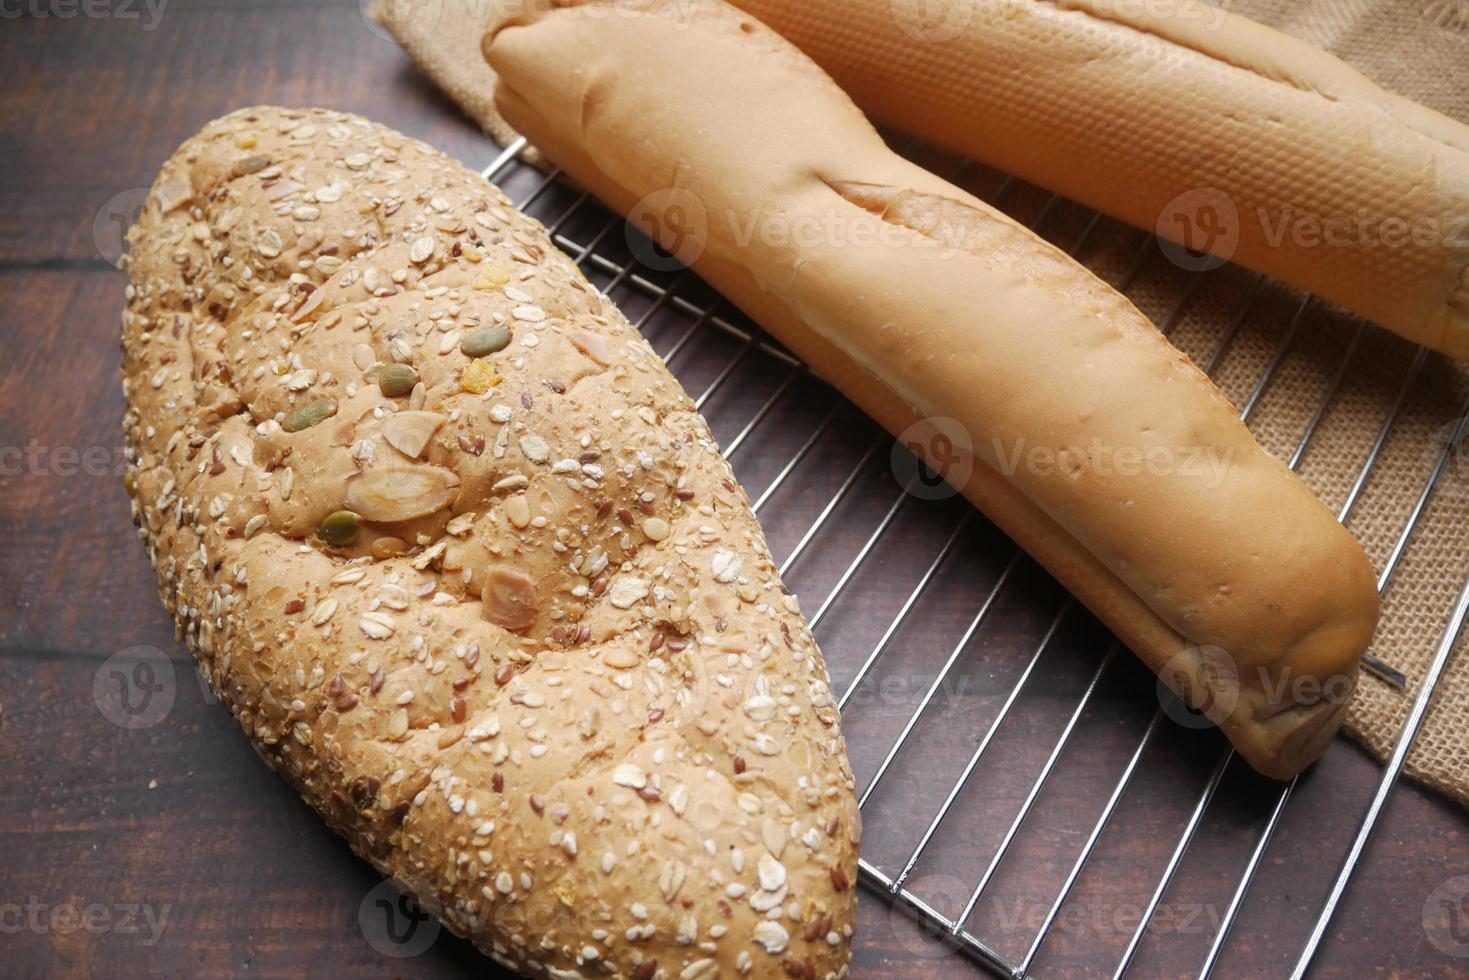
1419,48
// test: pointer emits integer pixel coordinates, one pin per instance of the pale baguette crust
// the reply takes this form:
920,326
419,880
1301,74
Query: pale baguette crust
647,778
1125,109
994,328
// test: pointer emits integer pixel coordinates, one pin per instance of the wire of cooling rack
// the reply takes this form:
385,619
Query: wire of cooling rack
894,886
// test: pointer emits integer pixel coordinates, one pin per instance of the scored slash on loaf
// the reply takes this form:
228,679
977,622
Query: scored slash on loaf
468,567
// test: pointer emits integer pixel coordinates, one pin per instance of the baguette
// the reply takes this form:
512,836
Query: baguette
544,674
922,304
1181,118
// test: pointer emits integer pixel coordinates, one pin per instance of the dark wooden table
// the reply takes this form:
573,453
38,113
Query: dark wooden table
153,843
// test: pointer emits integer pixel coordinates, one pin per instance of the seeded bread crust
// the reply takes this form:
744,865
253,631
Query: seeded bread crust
554,686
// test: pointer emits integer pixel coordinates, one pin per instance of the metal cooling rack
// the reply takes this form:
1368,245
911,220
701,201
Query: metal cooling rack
593,249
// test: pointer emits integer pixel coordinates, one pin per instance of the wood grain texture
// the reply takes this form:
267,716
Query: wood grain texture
105,826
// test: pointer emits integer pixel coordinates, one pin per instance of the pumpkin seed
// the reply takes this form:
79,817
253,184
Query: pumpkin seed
400,493
485,340
396,380
340,529
312,413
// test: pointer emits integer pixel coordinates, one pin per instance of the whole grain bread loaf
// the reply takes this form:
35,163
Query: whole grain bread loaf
468,567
